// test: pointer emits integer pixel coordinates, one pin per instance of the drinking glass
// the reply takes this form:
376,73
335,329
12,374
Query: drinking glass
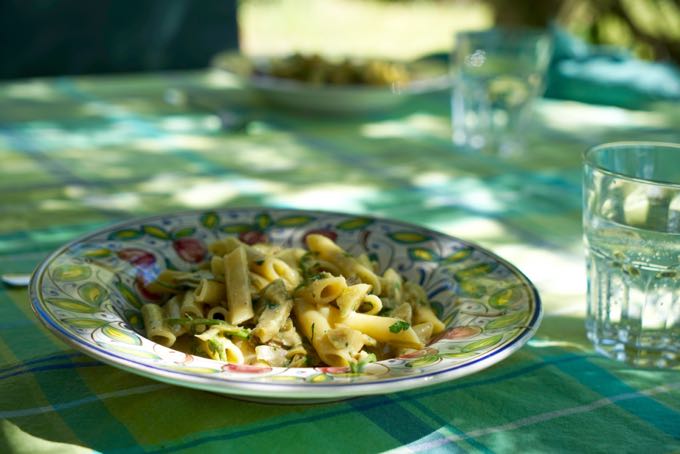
631,221
496,74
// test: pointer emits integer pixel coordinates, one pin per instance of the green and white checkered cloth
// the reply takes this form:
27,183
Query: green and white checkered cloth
77,154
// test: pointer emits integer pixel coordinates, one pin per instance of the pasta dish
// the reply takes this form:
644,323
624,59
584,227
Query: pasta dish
290,307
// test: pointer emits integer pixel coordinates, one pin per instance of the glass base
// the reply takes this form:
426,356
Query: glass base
654,349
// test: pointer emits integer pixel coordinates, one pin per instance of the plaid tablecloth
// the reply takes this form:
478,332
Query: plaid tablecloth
77,154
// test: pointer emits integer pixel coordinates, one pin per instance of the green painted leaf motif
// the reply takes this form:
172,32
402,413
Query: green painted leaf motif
506,320
409,237
505,298
482,343
438,308
183,233
263,221
236,228
72,305
209,219
471,288
126,235
93,293
71,272
293,221
449,319
133,318
459,255
354,224
196,370
118,335
424,361
474,271
156,232
458,355
85,323
130,296
97,253
421,254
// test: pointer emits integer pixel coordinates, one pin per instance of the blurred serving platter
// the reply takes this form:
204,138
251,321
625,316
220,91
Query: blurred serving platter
335,86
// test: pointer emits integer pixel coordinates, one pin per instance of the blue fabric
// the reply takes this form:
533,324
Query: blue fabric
607,75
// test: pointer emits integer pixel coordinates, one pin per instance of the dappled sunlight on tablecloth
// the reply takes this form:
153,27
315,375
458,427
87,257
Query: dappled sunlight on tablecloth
414,125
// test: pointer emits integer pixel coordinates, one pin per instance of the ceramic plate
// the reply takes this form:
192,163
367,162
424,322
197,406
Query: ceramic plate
89,294
429,75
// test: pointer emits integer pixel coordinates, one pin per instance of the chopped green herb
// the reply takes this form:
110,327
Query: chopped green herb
399,326
313,327
357,367
259,262
216,348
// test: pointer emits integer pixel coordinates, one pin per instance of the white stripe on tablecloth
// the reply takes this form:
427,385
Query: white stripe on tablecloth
76,403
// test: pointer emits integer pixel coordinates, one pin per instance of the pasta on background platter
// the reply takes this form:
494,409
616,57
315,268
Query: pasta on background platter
289,307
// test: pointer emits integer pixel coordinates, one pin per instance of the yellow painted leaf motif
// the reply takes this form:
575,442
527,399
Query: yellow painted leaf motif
506,297
320,378
294,221
118,335
408,237
131,351
285,378
156,232
125,235
354,224
471,288
72,305
71,272
92,292
97,253
474,271
129,296
85,323
482,343
459,255
210,219
422,254
506,320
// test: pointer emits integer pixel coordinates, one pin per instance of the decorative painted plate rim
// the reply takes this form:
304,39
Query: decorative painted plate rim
273,391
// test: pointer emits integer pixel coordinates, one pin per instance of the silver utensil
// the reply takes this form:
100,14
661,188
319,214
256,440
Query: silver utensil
15,279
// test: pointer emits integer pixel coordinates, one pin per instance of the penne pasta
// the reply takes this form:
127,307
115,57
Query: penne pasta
290,307
272,268
277,307
423,313
348,265
156,328
210,292
236,281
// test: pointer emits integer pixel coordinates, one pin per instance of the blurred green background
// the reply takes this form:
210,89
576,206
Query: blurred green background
406,28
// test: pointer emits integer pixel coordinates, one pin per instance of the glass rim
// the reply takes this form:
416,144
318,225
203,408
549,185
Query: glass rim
590,162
